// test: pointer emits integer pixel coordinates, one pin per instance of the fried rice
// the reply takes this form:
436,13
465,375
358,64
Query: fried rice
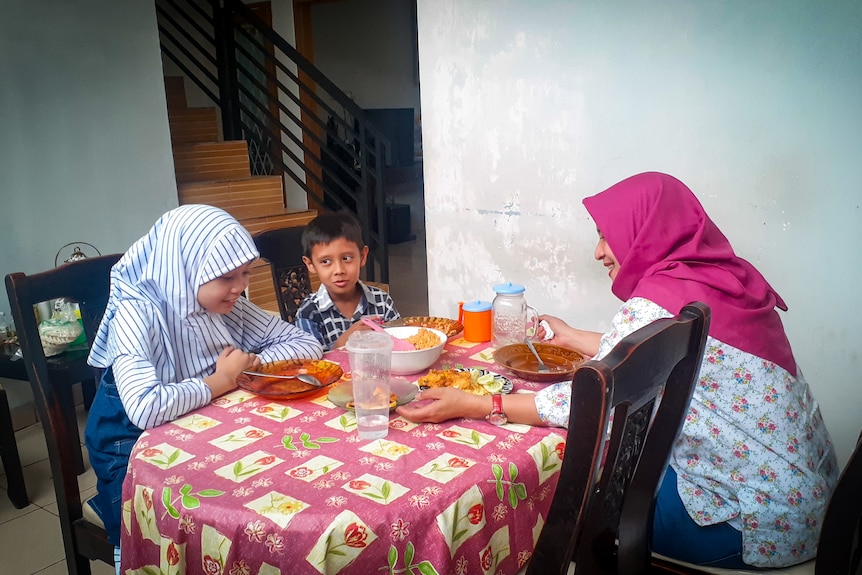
424,339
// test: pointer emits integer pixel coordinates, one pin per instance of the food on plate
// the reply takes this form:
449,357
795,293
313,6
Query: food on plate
424,339
393,401
474,381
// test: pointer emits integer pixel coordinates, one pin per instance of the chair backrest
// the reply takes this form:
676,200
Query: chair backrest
86,282
282,248
601,514
839,550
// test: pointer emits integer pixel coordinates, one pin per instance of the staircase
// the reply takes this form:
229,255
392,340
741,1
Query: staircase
214,172
297,124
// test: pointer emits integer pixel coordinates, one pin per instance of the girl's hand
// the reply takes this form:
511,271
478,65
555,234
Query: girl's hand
230,363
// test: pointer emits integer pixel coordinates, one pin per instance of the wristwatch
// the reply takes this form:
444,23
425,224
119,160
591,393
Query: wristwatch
497,415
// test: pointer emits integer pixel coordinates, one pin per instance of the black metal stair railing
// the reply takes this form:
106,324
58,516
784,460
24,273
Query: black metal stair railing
296,121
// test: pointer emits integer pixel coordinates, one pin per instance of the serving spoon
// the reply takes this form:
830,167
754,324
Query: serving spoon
542,367
303,377
398,344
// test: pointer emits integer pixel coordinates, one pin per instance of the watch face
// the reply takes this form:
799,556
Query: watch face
497,418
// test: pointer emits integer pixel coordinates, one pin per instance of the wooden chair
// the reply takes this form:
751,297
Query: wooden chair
282,248
839,550
86,282
601,514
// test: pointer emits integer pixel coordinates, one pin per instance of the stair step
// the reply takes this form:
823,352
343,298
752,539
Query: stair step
244,198
211,161
193,125
285,219
260,289
175,90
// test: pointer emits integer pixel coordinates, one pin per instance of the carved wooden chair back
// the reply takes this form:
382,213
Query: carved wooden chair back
282,248
601,514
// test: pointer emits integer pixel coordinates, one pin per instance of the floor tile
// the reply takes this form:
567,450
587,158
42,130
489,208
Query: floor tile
39,531
31,444
7,510
96,568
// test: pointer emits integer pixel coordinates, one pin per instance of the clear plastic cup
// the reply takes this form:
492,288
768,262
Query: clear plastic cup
370,367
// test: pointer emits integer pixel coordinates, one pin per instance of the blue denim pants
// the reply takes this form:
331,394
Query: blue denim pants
676,535
109,437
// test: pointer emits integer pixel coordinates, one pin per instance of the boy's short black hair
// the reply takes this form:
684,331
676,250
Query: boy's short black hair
330,226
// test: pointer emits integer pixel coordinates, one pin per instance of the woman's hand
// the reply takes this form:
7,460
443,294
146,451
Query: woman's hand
443,403
582,341
230,363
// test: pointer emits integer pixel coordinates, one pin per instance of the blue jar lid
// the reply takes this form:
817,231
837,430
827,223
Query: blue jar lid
477,305
509,288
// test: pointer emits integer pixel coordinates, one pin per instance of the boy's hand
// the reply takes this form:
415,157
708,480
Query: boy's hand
342,339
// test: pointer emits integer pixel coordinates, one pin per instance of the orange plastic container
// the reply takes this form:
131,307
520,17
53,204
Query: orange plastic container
475,316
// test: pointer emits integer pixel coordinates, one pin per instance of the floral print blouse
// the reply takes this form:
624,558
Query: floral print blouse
753,451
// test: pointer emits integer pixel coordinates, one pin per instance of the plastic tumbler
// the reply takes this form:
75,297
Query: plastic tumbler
370,366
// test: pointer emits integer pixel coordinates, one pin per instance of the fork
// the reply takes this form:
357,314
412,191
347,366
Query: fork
542,367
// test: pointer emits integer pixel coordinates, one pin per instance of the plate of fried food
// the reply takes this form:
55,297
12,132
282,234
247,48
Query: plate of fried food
475,380
401,392
448,326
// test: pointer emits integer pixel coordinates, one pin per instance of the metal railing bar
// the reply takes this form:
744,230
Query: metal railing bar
185,50
205,33
192,76
210,18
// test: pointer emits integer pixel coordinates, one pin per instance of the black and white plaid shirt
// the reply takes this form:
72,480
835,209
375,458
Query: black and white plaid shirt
319,316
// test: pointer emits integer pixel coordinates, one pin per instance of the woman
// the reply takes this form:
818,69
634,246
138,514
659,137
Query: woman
753,468
176,333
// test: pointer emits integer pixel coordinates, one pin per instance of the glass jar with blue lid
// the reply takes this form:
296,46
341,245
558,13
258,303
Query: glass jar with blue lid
512,319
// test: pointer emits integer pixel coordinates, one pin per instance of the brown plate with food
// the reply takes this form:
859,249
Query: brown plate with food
402,392
276,387
518,359
448,326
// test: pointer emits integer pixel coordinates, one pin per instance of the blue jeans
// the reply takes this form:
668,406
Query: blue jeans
109,436
676,535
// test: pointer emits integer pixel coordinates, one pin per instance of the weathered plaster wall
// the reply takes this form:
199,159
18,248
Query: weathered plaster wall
530,106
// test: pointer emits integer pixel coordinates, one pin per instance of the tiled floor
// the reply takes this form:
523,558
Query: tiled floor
30,540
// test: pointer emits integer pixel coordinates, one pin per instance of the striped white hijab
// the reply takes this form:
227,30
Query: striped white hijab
186,248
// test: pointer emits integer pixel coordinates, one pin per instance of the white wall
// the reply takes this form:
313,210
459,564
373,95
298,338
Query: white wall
85,152
530,106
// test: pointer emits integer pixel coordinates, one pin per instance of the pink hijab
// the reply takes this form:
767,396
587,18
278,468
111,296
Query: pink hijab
671,253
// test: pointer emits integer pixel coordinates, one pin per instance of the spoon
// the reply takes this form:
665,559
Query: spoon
303,377
542,367
397,344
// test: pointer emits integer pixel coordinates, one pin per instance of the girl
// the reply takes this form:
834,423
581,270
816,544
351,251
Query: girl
176,333
753,468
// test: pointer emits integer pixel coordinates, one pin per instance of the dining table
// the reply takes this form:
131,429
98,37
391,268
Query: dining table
253,485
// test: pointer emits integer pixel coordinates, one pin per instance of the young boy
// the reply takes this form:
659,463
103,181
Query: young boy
334,249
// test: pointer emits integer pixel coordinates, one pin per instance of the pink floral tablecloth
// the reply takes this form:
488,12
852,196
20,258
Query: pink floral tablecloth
247,485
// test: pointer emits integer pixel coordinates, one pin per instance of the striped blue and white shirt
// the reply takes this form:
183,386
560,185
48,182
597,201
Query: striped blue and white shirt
155,335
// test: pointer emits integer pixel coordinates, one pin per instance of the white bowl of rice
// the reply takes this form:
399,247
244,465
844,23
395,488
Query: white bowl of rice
429,344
